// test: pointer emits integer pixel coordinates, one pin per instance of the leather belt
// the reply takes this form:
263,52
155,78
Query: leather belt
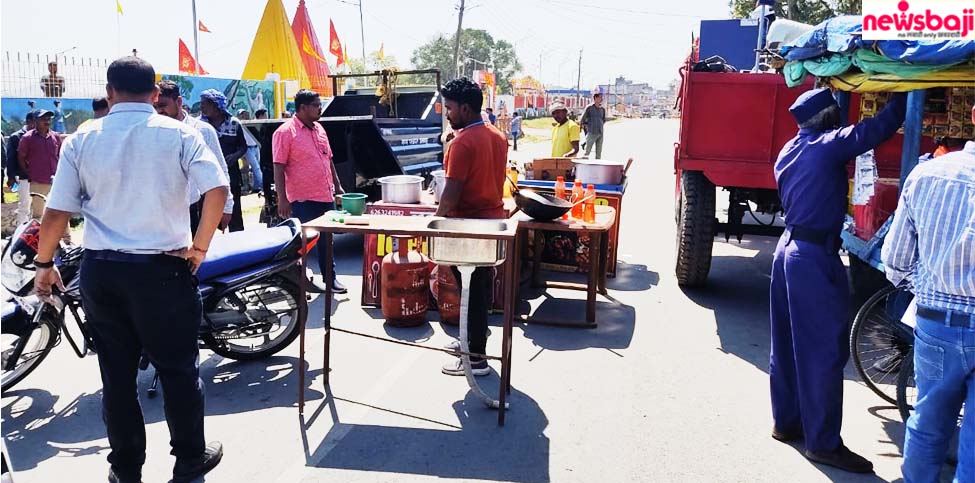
826,238
950,317
116,256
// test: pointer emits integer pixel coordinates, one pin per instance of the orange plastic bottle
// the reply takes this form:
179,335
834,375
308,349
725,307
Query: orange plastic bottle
560,191
589,207
577,195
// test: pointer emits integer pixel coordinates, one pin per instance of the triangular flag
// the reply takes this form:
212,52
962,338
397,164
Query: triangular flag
334,45
311,51
345,56
381,55
203,28
187,63
118,7
274,49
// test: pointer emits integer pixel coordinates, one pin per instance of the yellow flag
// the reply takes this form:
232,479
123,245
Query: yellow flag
118,7
308,48
345,55
381,54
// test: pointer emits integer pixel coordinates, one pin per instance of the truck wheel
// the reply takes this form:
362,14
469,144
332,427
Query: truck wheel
695,229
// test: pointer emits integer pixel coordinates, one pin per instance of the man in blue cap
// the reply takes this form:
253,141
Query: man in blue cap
213,105
809,293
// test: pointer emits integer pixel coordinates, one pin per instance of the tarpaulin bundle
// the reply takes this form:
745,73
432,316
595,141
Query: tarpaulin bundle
835,49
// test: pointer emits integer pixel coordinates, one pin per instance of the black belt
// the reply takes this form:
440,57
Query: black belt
952,318
116,256
826,238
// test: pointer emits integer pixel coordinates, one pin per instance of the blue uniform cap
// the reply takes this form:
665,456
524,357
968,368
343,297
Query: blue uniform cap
811,103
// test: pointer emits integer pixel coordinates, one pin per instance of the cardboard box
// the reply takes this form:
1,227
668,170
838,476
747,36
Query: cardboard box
548,169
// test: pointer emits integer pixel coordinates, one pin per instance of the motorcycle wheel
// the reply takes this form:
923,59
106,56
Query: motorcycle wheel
40,340
272,310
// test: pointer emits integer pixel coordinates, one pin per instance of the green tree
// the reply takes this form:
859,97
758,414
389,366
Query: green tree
805,11
478,51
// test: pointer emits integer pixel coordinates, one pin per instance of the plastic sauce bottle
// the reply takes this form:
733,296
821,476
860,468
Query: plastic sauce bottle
560,191
577,195
589,207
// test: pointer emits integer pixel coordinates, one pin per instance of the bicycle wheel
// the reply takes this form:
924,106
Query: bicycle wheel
879,341
33,347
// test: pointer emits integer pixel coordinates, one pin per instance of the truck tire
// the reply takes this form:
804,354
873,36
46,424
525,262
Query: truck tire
695,229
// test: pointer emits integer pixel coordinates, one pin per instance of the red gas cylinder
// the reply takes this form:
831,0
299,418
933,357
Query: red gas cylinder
448,295
405,285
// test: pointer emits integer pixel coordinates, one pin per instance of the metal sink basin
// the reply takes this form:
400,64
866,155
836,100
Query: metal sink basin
467,251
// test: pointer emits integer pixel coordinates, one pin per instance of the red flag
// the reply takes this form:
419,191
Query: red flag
187,63
311,51
334,46
203,28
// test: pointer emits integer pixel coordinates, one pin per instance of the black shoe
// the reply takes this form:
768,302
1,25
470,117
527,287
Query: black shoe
187,471
114,477
338,288
786,436
843,459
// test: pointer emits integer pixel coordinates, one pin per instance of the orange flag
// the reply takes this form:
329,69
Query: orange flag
187,64
334,46
203,28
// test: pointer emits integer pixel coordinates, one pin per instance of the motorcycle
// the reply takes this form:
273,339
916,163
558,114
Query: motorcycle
253,306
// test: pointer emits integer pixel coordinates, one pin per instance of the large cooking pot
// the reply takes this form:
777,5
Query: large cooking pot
598,171
401,188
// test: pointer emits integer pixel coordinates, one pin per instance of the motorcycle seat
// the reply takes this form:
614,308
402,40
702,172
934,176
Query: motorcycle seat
241,249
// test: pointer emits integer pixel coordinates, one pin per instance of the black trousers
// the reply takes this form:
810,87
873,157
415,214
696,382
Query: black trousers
154,308
236,180
477,308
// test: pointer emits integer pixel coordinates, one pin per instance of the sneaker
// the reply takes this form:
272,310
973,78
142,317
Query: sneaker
187,471
454,346
456,368
841,458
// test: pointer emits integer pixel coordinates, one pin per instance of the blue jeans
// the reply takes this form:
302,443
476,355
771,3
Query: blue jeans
307,211
253,157
944,369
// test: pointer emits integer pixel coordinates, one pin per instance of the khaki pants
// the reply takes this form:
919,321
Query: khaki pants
37,204
23,205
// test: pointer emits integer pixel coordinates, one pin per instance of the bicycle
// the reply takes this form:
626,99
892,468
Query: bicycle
880,342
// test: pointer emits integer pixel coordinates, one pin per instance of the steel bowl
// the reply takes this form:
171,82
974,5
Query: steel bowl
401,188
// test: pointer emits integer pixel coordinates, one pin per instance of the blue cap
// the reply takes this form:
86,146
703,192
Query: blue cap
811,103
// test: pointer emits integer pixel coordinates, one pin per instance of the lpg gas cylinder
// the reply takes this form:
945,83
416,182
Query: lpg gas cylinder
448,295
405,285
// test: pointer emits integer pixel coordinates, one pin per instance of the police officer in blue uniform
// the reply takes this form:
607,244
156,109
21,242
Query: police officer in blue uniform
809,292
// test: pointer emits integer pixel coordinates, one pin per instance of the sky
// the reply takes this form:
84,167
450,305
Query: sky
641,40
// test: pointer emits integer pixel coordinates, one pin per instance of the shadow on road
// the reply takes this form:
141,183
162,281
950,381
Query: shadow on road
35,432
477,449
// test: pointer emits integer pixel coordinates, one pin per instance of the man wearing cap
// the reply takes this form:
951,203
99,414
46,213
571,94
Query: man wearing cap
137,285
231,134
565,132
38,156
170,104
14,174
592,122
809,293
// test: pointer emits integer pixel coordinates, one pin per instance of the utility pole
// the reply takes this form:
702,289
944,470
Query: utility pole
460,23
362,33
196,39
579,81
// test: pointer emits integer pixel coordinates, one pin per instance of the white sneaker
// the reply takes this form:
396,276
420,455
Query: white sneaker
453,345
456,368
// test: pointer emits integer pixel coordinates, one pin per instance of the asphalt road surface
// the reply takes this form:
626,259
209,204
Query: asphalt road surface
671,387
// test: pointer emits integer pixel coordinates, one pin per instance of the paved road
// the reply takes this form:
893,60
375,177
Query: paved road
672,386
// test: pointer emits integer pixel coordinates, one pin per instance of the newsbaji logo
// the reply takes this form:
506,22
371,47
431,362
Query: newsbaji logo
929,20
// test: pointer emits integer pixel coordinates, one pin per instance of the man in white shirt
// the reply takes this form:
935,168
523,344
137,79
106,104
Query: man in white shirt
170,103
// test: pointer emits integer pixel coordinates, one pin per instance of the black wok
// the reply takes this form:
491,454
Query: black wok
540,206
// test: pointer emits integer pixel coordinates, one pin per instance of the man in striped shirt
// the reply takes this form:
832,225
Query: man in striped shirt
932,241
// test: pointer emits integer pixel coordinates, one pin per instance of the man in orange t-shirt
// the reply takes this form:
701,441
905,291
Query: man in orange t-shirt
475,164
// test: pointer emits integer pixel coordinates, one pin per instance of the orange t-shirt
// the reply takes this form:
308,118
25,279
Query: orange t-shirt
477,157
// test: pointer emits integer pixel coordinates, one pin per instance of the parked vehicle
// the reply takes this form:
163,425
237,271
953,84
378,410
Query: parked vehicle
253,305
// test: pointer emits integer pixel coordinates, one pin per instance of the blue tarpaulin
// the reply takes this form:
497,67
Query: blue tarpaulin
843,34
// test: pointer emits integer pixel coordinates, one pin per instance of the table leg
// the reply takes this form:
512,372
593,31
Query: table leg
603,262
301,329
506,335
327,280
594,240
537,258
512,294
